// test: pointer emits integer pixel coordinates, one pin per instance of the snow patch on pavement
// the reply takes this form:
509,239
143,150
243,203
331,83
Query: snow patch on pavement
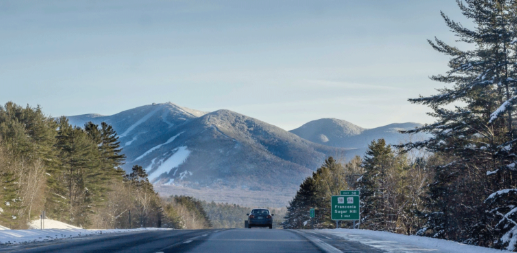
392,242
172,162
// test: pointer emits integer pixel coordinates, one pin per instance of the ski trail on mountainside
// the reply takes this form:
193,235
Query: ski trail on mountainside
140,121
157,147
172,162
164,119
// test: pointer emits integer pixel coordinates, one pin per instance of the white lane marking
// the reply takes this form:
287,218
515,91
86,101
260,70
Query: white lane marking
321,244
205,235
189,241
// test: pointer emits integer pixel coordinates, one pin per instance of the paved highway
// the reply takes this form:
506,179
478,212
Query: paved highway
230,240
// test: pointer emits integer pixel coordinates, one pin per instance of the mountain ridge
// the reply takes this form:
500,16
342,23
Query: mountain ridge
323,131
182,149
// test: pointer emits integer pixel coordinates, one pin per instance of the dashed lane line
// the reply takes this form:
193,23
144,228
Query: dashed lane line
188,241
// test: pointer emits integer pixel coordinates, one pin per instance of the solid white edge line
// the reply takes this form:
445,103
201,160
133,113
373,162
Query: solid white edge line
321,244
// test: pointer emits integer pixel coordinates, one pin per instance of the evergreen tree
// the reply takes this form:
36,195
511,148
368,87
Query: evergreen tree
9,199
373,184
73,174
316,192
298,209
147,202
476,136
81,173
28,137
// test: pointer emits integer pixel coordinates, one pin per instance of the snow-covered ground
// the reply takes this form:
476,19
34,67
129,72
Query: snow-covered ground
54,230
38,235
391,242
50,224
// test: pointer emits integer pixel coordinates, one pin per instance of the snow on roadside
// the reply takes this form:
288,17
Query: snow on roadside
50,224
4,228
392,242
37,235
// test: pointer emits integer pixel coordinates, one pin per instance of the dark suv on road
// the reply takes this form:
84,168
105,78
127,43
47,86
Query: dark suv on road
260,218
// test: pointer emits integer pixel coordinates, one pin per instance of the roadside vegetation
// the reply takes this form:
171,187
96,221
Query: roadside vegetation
225,215
465,188
74,175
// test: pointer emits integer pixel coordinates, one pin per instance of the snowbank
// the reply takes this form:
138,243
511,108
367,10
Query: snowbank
37,235
3,228
50,224
391,242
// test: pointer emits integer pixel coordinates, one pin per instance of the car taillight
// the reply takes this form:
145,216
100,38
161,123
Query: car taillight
252,216
269,216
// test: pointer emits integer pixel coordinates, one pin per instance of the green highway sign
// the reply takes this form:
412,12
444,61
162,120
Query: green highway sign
313,213
350,193
345,207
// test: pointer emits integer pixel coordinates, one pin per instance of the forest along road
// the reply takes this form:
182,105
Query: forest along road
211,240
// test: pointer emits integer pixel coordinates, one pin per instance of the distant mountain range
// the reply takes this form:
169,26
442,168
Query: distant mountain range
343,134
254,163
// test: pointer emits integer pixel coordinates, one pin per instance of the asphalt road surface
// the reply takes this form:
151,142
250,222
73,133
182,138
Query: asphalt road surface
211,240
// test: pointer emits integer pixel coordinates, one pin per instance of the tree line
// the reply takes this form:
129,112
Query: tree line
465,188
74,174
391,184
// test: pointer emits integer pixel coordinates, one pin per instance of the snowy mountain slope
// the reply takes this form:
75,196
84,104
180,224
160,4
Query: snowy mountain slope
138,125
227,149
340,133
223,149
332,132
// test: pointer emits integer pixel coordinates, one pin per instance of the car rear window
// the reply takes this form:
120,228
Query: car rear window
260,211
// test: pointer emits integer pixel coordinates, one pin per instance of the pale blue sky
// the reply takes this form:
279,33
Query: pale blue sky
283,62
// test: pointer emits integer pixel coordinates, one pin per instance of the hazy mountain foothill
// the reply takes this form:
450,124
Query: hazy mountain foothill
355,139
247,161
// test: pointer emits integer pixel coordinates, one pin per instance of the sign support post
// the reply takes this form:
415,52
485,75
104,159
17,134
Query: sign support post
312,214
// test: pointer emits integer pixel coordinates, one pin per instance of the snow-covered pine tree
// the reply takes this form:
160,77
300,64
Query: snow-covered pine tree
473,128
503,201
298,209
378,160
